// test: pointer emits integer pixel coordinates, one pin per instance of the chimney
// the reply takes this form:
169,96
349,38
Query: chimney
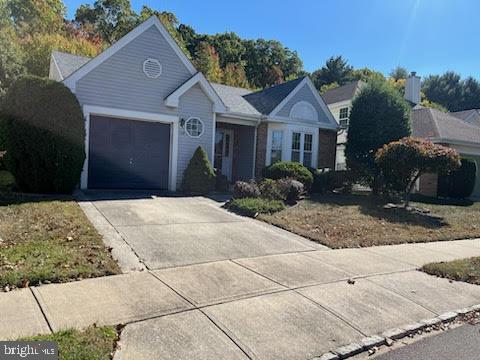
412,88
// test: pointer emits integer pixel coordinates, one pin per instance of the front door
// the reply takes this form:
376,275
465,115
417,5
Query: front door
224,152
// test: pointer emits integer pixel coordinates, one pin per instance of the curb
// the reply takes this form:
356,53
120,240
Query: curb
390,336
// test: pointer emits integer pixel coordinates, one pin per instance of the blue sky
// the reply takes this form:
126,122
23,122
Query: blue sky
427,36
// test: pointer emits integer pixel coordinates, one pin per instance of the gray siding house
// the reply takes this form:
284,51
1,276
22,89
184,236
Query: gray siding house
147,109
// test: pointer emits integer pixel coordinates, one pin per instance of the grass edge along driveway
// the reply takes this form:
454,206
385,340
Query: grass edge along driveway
48,239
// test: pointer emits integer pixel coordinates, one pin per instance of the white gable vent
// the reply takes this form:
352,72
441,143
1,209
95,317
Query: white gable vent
152,68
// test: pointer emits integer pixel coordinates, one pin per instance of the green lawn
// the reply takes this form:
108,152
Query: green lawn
92,344
341,221
467,270
48,239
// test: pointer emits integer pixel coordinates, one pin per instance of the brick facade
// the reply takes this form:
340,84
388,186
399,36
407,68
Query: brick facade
428,185
327,148
261,149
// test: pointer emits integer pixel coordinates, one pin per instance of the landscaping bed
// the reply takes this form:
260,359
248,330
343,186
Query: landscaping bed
48,239
94,343
467,270
341,221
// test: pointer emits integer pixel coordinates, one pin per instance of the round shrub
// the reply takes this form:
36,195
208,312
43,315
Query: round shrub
291,190
199,176
270,189
44,135
328,180
244,189
289,169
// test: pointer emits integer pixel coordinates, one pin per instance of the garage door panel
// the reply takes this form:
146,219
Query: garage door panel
128,154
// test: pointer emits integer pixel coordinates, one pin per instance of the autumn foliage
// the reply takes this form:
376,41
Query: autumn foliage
402,162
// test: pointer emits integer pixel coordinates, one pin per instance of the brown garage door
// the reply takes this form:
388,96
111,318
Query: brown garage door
128,154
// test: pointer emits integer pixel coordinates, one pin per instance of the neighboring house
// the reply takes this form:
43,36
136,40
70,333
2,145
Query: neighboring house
470,116
147,109
339,101
457,130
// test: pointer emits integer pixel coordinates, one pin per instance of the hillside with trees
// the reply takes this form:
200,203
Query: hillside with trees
31,29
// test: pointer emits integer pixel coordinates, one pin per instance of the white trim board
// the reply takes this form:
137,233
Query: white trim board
71,80
89,110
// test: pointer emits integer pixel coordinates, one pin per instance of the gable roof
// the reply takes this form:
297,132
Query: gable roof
265,101
68,63
174,98
435,124
342,93
234,99
471,116
71,80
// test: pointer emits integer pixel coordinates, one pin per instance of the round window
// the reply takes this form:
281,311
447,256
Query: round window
194,127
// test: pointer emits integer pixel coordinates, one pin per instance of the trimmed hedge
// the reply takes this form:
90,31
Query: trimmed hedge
460,183
44,135
199,176
289,169
326,181
254,206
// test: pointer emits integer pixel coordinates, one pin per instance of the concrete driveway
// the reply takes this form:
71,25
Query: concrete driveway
167,231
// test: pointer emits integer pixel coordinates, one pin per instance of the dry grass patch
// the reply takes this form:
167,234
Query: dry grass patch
341,221
48,239
467,270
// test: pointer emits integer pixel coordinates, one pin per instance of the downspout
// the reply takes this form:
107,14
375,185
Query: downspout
259,121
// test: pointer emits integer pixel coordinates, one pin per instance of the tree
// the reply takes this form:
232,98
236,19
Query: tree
399,73
445,90
199,176
336,69
234,75
11,59
327,87
38,49
379,115
33,16
207,62
111,18
230,48
403,162
262,55
365,74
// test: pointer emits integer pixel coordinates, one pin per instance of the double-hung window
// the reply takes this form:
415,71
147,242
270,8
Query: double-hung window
276,153
302,148
343,117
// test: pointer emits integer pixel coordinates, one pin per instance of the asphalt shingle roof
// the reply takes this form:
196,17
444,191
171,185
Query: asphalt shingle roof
233,98
68,63
464,115
341,93
267,100
238,100
433,123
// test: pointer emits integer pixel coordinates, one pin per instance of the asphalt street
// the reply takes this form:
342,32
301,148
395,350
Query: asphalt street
462,343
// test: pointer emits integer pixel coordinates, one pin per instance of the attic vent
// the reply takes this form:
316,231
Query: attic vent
152,68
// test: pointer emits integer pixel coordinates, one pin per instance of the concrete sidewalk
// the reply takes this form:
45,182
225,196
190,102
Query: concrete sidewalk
287,306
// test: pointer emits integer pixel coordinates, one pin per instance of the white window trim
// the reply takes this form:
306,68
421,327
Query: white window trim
288,130
201,122
152,60
89,110
302,146
307,104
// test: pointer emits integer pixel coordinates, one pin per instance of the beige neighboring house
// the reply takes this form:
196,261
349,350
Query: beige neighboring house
459,130
339,101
